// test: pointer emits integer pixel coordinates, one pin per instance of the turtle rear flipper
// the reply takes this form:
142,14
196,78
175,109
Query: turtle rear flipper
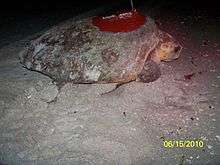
150,72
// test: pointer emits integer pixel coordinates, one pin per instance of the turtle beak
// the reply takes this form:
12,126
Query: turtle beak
177,51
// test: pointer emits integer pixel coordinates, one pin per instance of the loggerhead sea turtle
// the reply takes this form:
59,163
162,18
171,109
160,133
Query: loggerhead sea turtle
78,52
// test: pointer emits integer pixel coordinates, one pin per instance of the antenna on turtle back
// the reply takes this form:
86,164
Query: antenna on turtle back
132,4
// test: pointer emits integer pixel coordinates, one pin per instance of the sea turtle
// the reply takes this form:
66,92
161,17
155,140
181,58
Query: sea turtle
78,52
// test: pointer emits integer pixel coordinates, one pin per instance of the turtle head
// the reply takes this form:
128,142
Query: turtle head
169,51
168,48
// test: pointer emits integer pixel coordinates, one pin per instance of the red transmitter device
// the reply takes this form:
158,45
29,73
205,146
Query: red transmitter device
122,22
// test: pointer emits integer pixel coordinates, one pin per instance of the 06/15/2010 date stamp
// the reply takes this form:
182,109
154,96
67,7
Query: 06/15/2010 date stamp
183,143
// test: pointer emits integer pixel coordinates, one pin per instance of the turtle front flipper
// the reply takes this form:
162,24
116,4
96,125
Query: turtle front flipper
150,72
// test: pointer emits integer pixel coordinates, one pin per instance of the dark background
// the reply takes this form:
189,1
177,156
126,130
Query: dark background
45,5
20,18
